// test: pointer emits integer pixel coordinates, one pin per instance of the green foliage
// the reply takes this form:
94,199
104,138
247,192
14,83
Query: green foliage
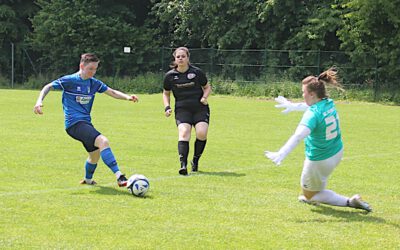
219,24
65,29
268,87
7,21
363,35
149,83
4,82
372,26
14,27
260,89
37,81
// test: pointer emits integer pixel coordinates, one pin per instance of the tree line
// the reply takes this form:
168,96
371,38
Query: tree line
56,32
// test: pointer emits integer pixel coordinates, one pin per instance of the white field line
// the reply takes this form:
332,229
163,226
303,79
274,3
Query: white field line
162,178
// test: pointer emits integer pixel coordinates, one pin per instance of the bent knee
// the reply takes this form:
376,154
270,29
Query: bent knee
202,136
102,142
184,132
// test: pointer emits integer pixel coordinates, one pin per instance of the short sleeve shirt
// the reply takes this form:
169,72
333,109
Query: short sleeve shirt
186,87
78,96
325,139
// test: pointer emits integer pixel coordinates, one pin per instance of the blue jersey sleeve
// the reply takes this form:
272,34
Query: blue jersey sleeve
58,84
101,87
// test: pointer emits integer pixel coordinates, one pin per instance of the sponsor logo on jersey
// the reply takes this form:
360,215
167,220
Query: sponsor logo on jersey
88,89
176,77
190,76
83,99
185,85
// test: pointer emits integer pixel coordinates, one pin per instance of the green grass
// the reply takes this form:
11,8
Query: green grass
239,200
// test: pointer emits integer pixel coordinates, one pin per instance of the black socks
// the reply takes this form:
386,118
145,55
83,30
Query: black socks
183,150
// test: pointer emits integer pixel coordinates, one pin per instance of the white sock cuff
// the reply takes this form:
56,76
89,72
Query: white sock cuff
331,198
118,174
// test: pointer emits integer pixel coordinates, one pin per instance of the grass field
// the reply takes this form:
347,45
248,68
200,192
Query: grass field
239,200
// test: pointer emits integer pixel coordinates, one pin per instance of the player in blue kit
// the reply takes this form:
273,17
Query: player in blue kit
320,130
79,91
191,89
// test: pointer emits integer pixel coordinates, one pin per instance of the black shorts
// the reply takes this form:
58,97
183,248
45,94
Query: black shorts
85,133
192,116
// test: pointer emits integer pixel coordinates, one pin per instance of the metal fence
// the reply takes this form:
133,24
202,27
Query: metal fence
246,66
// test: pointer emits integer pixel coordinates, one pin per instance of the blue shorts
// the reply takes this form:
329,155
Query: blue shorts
85,133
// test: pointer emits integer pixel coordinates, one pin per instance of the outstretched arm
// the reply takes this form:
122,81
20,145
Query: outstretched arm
119,95
290,106
37,109
300,133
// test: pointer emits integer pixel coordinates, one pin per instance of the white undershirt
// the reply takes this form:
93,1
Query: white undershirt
301,132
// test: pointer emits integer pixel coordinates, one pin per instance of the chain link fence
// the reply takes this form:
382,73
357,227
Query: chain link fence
18,64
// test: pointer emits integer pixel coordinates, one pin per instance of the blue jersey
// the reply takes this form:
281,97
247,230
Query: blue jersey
325,139
78,96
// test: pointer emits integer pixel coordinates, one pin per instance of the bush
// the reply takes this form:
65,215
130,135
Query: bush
151,83
37,82
4,82
260,89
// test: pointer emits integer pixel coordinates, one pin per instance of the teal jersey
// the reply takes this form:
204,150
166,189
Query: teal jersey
325,139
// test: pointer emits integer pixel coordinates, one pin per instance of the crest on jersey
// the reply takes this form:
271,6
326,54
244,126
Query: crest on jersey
191,76
78,88
176,77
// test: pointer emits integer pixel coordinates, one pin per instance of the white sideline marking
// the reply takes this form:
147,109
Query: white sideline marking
161,178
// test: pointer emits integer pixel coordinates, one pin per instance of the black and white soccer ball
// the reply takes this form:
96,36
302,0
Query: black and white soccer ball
138,185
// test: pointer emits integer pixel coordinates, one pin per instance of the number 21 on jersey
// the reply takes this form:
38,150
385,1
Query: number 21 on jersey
331,127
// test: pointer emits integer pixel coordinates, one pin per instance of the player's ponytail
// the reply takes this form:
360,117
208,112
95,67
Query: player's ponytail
317,84
329,77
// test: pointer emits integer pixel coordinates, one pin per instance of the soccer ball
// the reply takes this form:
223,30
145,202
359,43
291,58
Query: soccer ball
138,185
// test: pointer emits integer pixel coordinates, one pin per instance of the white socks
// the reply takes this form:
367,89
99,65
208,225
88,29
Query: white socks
118,174
331,198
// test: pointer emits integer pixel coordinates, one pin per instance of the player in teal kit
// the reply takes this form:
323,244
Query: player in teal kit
79,91
320,130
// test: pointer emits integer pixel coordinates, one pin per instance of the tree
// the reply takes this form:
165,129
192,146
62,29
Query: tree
371,27
65,29
14,27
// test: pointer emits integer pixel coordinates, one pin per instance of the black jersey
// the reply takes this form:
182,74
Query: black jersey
186,87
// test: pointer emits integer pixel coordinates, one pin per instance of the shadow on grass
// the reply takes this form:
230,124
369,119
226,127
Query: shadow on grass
114,191
223,173
345,215
110,190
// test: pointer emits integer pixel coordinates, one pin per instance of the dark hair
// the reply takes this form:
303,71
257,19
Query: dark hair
173,64
88,58
317,84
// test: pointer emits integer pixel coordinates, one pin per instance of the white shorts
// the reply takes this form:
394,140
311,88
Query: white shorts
315,173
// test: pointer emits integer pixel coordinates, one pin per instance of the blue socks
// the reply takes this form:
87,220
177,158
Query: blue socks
108,158
90,168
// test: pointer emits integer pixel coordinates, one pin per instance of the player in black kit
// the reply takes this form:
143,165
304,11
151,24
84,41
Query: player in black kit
190,88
